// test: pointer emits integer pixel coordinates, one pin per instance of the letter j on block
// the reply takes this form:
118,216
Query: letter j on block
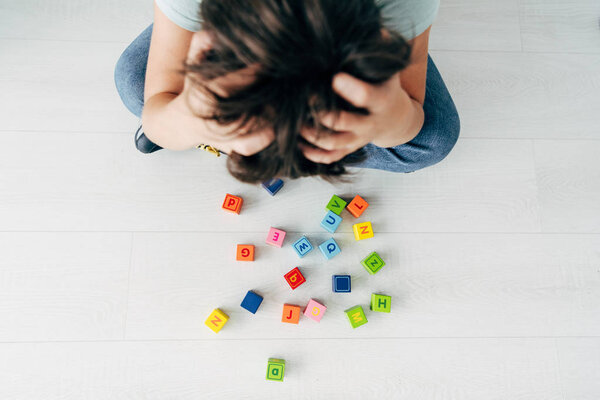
275,237
362,230
216,320
330,248
315,310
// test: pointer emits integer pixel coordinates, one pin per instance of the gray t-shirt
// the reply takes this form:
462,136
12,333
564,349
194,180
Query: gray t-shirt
410,18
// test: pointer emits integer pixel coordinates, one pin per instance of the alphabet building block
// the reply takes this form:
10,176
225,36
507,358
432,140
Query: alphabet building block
336,204
373,263
275,237
357,206
245,252
341,283
291,314
294,278
272,185
232,203
314,310
216,320
251,302
356,316
381,303
330,248
362,230
331,222
302,246
275,369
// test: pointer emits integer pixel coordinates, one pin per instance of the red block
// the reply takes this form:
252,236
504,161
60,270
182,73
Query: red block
232,203
294,278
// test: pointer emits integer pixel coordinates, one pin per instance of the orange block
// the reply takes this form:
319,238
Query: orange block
291,314
245,252
357,206
232,203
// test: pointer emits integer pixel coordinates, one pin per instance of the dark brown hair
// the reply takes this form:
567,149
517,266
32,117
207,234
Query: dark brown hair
298,46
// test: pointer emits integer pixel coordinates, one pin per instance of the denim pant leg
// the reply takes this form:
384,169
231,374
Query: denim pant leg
130,72
435,140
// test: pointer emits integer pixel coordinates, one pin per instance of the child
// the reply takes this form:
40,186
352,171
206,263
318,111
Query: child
291,87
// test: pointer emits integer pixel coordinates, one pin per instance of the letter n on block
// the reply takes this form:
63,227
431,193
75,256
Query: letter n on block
294,278
216,320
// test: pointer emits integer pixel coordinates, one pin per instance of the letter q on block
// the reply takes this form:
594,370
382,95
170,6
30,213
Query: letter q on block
330,248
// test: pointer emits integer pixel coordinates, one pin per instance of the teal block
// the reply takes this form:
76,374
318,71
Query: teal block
330,248
373,263
302,246
336,204
331,222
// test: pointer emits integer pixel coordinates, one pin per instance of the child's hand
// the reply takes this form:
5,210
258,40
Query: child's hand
394,119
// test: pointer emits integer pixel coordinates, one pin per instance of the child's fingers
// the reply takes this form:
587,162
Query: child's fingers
253,142
363,94
322,156
343,121
328,140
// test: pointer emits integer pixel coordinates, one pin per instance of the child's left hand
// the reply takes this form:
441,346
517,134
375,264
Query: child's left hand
394,119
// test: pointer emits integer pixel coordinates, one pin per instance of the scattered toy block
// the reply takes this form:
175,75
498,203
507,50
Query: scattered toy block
357,206
373,263
356,316
275,369
330,248
232,203
245,252
302,246
362,230
273,185
336,204
294,278
251,302
275,237
331,222
315,310
341,283
291,314
381,303
216,320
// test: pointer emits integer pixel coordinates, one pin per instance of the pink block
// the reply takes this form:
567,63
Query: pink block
314,310
275,237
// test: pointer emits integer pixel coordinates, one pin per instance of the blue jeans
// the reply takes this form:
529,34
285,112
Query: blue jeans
433,143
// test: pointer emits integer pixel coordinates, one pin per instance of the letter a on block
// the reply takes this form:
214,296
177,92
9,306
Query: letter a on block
216,320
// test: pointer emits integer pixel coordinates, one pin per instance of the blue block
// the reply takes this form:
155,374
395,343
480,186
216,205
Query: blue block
251,301
273,185
302,246
341,283
330,248
331,222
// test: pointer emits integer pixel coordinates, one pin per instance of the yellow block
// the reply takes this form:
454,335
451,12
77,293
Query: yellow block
216,320
362,230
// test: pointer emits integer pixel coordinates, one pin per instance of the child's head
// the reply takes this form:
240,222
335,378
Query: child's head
296,48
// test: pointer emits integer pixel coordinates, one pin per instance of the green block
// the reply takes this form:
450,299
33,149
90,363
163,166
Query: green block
356,316
381,303
336,205
373,263
275,369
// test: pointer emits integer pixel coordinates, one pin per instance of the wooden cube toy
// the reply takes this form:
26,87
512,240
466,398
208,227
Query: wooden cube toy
272,186
275,237
356,316
331,222
373,263
232,203
302,246
341,283
315,310
291,314
381,303
251,302
275,369
362,230
336,204
216,320
357,206
294,278
330,248
245,252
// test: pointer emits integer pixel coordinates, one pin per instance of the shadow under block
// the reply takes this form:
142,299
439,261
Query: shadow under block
356,316
357,206
373,263
331,222
336,204
275,369
291,314
381,303
362,230
273,186
294,278
245,252
330,248
232,203
341,283
315,310
216,320
302,246
251,302
275,237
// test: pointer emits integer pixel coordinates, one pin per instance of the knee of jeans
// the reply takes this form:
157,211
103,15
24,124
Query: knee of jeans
127,80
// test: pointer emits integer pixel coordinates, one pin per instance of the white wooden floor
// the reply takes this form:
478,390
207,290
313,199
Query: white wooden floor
111,260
